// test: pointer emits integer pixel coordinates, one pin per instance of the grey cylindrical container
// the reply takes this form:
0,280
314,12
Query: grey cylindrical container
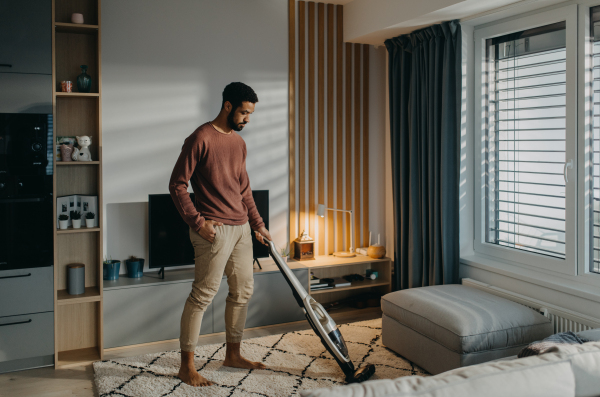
76,278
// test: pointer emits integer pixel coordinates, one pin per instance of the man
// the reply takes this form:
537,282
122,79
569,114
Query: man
214,158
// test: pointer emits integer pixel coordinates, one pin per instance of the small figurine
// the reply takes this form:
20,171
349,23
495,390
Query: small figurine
304,236
82,154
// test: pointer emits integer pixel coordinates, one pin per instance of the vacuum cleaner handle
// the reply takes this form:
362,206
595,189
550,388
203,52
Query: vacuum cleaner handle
297,288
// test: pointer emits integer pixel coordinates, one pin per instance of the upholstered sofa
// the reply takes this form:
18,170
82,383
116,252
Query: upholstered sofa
564,371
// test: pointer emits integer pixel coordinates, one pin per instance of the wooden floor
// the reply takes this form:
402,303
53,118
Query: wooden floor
78,381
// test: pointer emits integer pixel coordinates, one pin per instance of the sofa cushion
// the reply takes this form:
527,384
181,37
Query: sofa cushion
591,334
545,379
465,319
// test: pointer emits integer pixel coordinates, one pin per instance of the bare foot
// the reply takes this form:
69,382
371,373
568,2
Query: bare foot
191,377
241,362
187,371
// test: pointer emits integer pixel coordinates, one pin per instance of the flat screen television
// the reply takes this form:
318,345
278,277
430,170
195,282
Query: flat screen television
169,238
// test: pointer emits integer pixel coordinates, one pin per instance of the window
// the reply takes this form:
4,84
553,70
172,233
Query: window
595,208
525,140
527,155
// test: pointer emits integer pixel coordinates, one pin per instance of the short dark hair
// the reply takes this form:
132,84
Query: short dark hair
236,93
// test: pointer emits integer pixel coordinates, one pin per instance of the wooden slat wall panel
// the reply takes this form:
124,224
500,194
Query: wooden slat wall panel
332,132
321,122
357,152
365,146
292,112
348,141
311,120
301,118
339,54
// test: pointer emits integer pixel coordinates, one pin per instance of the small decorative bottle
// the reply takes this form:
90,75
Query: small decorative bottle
84,81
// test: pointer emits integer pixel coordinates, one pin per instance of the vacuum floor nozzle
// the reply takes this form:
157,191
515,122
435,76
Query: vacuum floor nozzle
361,374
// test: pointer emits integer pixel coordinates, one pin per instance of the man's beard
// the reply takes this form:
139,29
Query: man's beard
232,124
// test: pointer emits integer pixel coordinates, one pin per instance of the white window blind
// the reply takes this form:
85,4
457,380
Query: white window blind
595,25
525,140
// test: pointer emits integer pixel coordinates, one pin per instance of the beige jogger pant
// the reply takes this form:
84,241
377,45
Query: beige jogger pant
229,254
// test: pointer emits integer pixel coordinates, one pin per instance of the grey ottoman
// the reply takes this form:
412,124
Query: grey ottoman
443,327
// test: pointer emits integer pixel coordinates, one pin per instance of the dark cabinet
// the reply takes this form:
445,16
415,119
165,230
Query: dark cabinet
25,93
26,36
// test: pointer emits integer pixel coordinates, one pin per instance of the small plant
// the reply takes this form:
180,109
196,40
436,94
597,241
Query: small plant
285,251
75,215
63,217
90,215
108,259
134,258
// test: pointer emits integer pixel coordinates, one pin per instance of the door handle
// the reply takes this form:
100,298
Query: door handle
568,165
6,65
20,275
15,323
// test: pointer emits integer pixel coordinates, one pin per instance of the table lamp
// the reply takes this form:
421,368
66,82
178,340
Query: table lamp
342,254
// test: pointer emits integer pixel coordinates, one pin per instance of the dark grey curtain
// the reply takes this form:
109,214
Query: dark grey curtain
425,102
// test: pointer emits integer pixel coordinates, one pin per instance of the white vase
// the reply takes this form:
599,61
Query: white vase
63,224
76,223
285,258
89,222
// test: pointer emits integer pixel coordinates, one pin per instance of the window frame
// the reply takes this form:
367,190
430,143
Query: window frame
573,249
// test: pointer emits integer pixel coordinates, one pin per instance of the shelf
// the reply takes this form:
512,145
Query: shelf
78,163
83,229
77,94
77,357
91,294
355,285
322,261
64,27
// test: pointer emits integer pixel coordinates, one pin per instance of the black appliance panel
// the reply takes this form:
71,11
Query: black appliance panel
26,232
26,201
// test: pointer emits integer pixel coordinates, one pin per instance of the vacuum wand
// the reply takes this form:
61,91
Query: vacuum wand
320,321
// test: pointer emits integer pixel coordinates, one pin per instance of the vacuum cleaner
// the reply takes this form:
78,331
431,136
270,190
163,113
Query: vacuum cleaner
321,323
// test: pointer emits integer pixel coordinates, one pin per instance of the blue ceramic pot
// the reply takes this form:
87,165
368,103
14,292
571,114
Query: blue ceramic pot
135,268
111,269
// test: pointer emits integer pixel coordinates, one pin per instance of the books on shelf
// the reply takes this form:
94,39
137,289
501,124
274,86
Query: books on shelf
326,283
339,282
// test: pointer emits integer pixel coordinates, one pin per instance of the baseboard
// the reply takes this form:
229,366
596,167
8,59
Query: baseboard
26,363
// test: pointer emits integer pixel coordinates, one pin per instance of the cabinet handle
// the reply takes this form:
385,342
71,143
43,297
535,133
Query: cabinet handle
18,322
20,275
8,65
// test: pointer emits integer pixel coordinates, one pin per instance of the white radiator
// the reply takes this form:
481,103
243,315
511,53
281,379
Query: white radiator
563,319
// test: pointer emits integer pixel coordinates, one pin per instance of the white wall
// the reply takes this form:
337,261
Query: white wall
164,66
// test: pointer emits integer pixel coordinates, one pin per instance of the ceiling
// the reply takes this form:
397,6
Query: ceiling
374,21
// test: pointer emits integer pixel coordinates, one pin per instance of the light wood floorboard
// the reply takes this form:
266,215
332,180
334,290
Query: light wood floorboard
78,381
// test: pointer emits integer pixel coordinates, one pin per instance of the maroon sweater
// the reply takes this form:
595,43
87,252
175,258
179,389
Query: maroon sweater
216,165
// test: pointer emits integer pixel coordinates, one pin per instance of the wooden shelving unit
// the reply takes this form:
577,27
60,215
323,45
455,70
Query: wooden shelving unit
330,266
80,230
78,318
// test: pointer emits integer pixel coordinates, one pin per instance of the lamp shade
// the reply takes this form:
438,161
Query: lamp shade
321,210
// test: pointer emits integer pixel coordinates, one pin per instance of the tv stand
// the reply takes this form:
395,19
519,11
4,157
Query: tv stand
153,311
161,273
257,262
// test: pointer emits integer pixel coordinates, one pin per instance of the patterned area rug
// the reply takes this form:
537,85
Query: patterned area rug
295,360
